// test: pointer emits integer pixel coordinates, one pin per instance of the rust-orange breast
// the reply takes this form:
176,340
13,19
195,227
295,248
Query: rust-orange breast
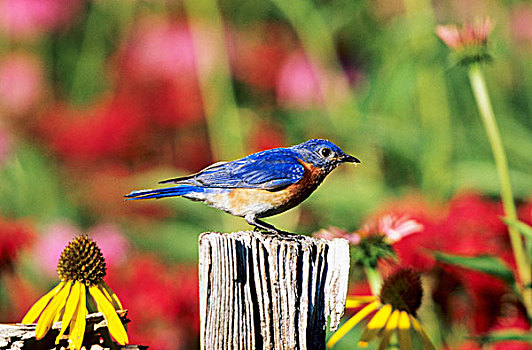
263,203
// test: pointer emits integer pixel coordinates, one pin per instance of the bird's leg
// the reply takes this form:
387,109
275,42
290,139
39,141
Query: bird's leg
252,220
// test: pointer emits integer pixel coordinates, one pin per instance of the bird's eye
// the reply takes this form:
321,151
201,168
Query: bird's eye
325,152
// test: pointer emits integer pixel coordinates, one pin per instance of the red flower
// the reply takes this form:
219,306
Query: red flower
266,136
113,129
257,57
514,322
162,302
470,226
157,67
14,236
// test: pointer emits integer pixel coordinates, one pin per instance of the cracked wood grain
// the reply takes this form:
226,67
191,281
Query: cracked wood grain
264,291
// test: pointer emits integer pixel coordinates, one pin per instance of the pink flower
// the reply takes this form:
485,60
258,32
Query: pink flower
303,83
24,19
21,83
54,239
111,241
297,84
159,49
471,34
394,227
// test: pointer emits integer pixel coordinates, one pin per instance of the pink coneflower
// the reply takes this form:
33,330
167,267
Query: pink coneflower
471,34
393,227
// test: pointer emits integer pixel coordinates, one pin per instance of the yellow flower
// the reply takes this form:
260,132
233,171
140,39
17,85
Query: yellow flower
81,268
394,310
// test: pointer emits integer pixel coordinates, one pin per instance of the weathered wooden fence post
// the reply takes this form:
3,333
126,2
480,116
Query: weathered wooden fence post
264,291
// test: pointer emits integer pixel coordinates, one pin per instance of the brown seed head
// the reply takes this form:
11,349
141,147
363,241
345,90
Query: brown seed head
403,291
83,261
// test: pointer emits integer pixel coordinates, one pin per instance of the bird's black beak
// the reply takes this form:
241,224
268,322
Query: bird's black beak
346,158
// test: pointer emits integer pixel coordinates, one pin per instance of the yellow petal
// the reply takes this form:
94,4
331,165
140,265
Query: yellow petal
39,306
405,341
356,301
378,321
352,322
49,313
108,292
77,329
390,327
427,343
70,309
116,328
59,314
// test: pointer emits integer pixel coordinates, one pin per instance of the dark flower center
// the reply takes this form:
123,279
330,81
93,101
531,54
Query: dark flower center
83,261
403,291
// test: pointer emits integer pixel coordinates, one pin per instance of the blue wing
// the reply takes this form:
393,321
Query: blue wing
271,170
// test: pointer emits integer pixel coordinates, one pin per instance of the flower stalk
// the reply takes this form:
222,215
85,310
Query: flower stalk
374,279
480,92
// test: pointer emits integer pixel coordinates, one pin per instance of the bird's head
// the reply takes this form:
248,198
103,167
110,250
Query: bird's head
323,154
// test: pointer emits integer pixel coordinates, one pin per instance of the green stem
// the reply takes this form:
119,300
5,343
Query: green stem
480,91
374,280
222,115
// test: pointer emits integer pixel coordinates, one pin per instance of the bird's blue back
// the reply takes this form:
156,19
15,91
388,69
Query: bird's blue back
270,169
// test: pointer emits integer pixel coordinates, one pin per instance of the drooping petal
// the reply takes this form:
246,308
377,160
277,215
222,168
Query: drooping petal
427,343
356,301
77,329
108,292
352,322
391,325
40,305
59,314
116,328
378,321
70,309
403,330
49,313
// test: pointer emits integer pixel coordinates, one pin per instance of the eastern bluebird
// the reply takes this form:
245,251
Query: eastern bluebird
259,185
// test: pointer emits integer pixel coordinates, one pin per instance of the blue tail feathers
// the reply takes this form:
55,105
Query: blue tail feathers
163,192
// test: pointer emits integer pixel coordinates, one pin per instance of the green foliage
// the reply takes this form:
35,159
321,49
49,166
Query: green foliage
30,187
483,263
506,335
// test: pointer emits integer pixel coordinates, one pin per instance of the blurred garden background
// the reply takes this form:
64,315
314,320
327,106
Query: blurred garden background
98,98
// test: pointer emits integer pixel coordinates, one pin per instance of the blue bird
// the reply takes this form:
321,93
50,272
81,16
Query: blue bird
259,185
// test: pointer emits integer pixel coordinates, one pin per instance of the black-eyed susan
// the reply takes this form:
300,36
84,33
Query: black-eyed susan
394,310
81,269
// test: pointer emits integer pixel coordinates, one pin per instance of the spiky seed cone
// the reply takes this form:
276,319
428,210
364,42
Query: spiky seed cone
403,291
82,260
